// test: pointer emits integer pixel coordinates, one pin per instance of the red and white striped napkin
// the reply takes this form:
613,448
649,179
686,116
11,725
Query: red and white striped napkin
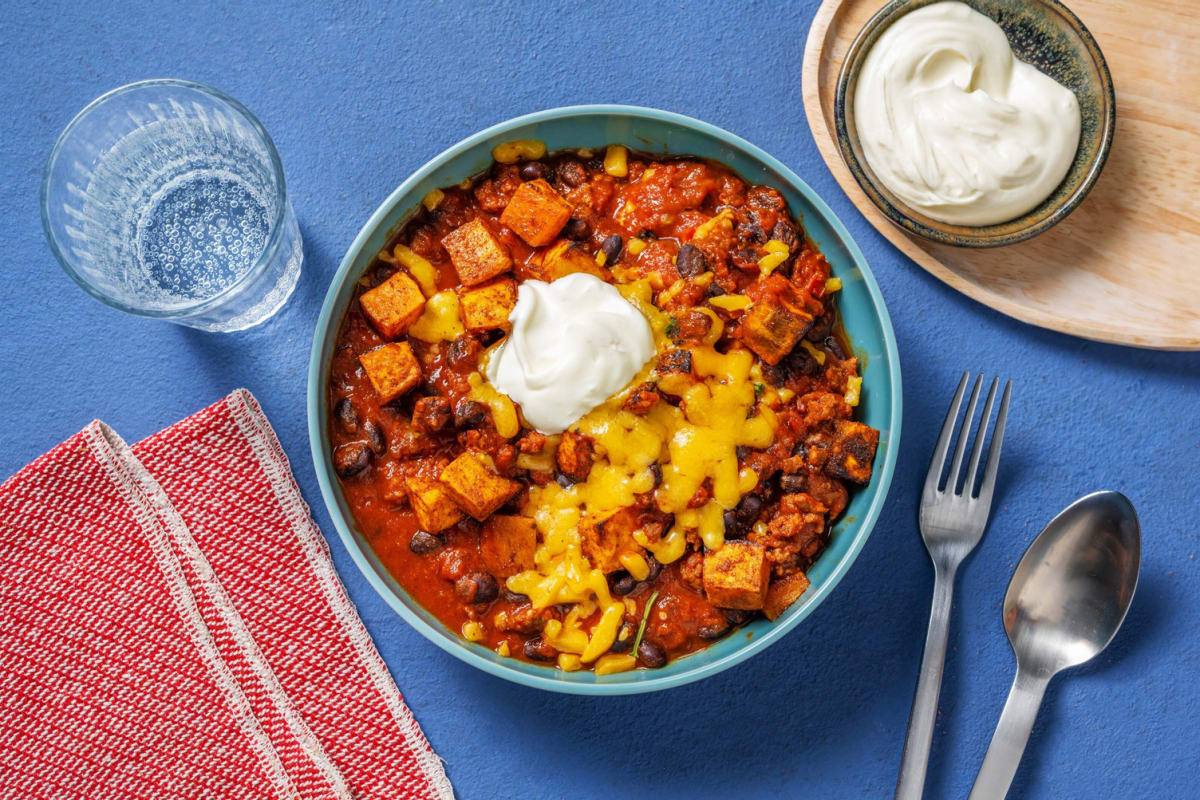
171,626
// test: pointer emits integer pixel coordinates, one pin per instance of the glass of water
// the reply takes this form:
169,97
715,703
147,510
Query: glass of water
166,198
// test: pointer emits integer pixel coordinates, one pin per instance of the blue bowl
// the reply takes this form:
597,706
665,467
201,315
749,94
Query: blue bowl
863,312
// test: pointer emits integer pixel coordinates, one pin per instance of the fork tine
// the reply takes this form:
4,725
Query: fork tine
989,474
980,438
963,434
943,443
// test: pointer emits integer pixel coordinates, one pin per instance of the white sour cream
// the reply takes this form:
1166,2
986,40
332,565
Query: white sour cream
956,126
574,342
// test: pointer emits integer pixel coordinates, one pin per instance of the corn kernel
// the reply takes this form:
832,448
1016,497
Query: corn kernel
514,151
636,246
730,302
569,662
503,650
601,258
616,161
832,284
472,631
431,200
818,355
853,390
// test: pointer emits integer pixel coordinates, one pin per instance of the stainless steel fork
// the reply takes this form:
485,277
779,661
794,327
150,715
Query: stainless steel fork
952,522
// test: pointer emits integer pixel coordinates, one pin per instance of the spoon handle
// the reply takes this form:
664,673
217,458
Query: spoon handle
919,739
1012,733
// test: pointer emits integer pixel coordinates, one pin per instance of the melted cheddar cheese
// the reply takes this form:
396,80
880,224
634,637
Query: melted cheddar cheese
695,444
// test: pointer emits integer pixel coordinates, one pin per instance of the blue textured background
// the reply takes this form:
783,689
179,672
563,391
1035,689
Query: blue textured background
356,98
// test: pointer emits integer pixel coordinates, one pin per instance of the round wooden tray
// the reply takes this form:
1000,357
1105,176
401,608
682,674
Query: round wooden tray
1125,266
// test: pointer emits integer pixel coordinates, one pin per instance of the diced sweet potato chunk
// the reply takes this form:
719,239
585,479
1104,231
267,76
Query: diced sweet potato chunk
604,538
772,330
565,257
432,504
475,486
536,213
487,307
393,305
852,451
507,544
575,455
475,252
782,593
392,368
736,576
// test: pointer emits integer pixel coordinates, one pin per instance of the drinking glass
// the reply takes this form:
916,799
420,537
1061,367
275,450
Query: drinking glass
166,198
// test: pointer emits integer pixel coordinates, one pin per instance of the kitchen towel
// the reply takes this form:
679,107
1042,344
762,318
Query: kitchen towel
171,626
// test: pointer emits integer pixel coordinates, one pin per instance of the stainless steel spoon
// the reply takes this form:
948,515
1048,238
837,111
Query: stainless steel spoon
1064,604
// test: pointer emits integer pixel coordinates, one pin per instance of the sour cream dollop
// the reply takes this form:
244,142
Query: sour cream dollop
574,342
955,125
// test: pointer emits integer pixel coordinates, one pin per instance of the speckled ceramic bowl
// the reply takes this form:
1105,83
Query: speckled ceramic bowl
1043,33
863,313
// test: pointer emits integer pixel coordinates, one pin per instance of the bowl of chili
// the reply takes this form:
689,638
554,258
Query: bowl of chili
658,133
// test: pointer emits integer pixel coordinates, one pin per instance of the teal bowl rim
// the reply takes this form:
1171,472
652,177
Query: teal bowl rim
969,236
447,640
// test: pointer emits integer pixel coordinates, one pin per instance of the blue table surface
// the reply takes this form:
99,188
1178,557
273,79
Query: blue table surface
356,99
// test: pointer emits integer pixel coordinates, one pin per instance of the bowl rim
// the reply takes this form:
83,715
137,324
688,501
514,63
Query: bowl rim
446,640
967,235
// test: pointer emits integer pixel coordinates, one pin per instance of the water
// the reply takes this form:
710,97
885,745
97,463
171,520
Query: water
201,234
179,211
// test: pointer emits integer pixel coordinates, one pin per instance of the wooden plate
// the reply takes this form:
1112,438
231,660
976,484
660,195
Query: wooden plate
1125,266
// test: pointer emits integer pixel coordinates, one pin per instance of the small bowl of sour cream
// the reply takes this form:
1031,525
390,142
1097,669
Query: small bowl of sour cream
975,124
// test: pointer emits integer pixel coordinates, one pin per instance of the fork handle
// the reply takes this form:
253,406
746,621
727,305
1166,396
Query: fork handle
919,739
1012,734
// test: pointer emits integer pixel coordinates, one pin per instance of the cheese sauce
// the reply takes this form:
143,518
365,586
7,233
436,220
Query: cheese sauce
958,128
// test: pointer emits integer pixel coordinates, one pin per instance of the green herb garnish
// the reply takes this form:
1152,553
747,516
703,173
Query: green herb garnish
672,328
637,642
758,390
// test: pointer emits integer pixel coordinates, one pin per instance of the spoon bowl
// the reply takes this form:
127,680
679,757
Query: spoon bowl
1071,591
1065,603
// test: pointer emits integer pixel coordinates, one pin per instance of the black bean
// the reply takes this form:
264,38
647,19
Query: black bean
346,416
625,636
713,290
651,654
623,583
477,587
351,459
835,347
714,631
469,413
538,649
691,261
656,471
423,543
655,567
792,484
564,480
737,616
576,229
748,510
612,248
532,170
515,598
375,438
732,531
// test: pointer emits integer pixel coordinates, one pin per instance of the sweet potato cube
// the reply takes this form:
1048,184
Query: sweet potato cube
392,368
432,504
393,305
771,330
782,593
475,252
604,538
565,257
487,307
475,486
536,213
852,451
736,576
507,544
